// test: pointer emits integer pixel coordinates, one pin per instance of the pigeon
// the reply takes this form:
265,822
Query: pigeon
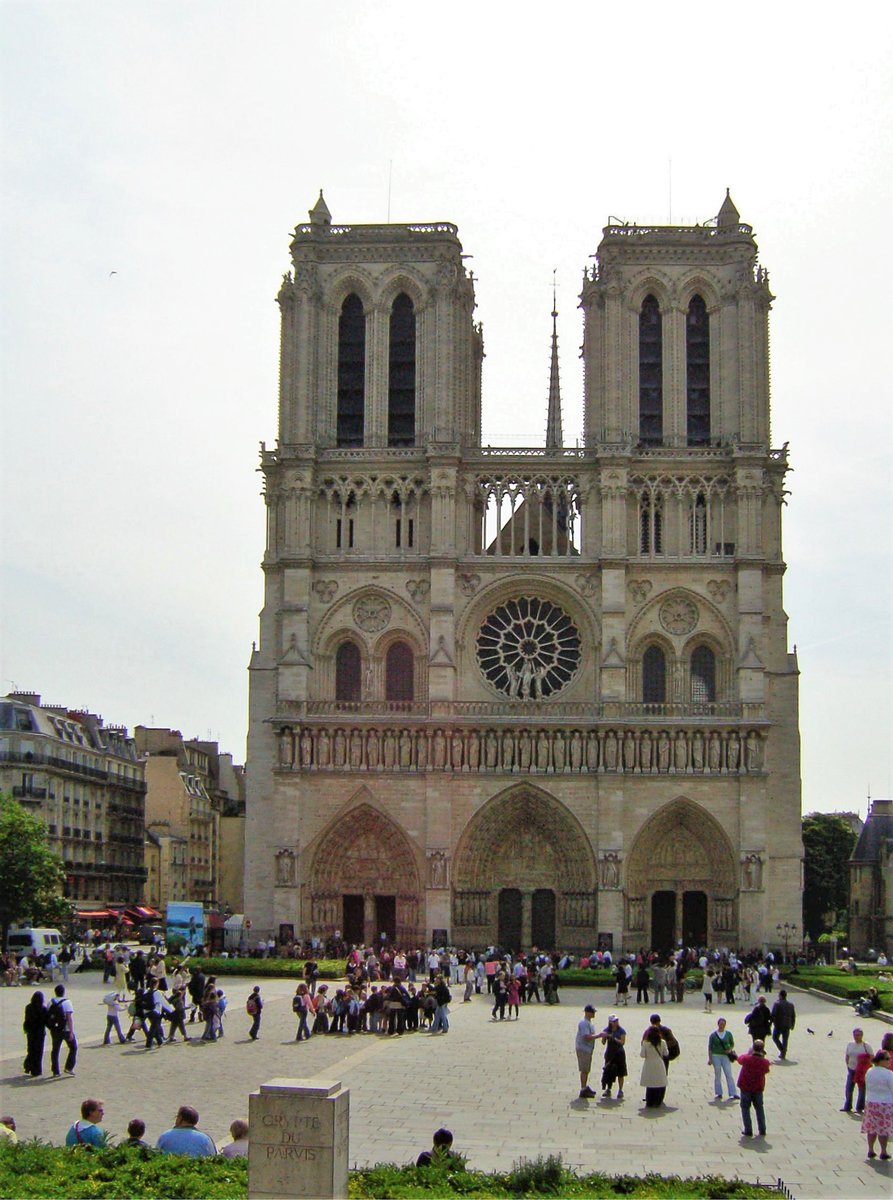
831,1034
808,1030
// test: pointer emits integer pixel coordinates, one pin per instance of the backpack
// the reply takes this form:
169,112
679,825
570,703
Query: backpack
673,1050
297,1004
251,1006
56,1022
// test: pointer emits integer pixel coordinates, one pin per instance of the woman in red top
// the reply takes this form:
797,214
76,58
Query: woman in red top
751,1085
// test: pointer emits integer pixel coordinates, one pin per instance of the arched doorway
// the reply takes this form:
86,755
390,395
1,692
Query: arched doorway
365,881
524,876
681,881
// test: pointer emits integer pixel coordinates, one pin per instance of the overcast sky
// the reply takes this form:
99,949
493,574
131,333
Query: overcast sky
156,157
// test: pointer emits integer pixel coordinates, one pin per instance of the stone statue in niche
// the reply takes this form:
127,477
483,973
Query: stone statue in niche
542,751
733,751
508,751
754,751
576,751
438,870
340,748
629,751
474,750
356,749
558,752
680,752
645,751
524,751
610,751
286,748
714,752
372,750
306,748
324,744
422,751
663,751
610,870
285,868
405,750
390,749
457,752
697,751
753,873
438,755
592,751
491,751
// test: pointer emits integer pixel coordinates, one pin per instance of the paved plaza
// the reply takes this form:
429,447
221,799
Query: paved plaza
507,1090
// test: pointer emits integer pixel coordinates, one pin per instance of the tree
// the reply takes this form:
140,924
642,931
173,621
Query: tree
828,842
31,875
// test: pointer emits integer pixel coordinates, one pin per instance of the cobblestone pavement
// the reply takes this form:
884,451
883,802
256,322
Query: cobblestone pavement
507,1090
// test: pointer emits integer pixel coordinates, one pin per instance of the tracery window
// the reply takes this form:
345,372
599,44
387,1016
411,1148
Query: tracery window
528,648
401,373
348,673
399,685
697,532
697,360
703,675
351,372
654,676
651,399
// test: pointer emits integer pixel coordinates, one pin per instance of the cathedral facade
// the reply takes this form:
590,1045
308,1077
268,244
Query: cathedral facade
514,696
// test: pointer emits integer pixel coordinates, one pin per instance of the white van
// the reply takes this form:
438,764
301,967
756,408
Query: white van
33,941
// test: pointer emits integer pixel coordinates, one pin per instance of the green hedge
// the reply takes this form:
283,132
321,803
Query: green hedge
267,968
847,987
34,1170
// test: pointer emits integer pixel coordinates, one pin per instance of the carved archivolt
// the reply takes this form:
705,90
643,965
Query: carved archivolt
528,838
366,852
682,844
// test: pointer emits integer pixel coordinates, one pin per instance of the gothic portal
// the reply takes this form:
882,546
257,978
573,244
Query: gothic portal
527,697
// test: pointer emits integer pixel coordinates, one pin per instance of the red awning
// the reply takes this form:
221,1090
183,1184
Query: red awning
101,914
144,912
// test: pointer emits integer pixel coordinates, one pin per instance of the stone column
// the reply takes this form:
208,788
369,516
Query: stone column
299,1145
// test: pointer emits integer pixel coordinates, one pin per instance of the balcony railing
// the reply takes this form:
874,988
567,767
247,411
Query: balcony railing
519,710
29,793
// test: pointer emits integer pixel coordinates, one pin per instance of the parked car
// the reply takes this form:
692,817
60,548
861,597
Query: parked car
150,934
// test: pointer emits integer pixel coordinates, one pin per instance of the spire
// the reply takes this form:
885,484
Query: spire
554,435
728,213
319,214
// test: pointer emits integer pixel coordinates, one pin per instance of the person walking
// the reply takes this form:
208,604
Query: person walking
60,1022
254,1006
178,1014
642,981
857,1056
784,1018
113,1006
654,1068
157,1012
754,1067
720,1052
877,1121
35,1028
302,1006
583,1046
500,997
759,1020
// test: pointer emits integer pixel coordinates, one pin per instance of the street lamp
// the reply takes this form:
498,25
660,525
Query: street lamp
787,932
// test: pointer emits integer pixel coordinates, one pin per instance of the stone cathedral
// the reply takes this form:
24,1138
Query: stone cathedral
524,696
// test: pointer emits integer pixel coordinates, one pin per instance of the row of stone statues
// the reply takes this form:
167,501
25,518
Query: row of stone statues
682,751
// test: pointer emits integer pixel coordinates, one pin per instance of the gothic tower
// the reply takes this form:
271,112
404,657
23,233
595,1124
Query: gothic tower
527,697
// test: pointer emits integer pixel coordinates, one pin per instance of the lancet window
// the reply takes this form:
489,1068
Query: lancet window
399,667
402,373
528,516
654,676
697,351
651,523
351,372
703,675
651,400
348,673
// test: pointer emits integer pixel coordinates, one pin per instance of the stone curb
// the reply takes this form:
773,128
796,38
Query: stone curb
878,1015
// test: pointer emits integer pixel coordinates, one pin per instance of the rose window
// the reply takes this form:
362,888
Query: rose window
528,648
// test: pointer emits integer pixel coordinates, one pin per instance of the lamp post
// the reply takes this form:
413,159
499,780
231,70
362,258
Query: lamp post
787,932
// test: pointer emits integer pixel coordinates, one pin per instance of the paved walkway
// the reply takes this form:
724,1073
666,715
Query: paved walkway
507,1090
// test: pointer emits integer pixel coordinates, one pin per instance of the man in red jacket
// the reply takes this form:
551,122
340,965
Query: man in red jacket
751,1085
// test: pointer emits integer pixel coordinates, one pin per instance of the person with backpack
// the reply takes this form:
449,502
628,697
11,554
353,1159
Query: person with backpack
254,1007
60,1022
442,998
301,1006
35,1028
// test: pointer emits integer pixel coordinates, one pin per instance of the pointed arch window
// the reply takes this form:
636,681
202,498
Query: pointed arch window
348,673
399,666
651,524
654,676
651,373
703,676
697,360
351,372
401,373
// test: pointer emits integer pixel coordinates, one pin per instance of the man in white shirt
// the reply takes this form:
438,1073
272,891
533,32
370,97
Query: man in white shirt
584,1045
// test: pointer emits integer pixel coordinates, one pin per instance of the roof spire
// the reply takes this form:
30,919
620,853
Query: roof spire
554,435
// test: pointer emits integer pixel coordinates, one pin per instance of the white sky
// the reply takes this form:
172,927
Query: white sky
178,144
